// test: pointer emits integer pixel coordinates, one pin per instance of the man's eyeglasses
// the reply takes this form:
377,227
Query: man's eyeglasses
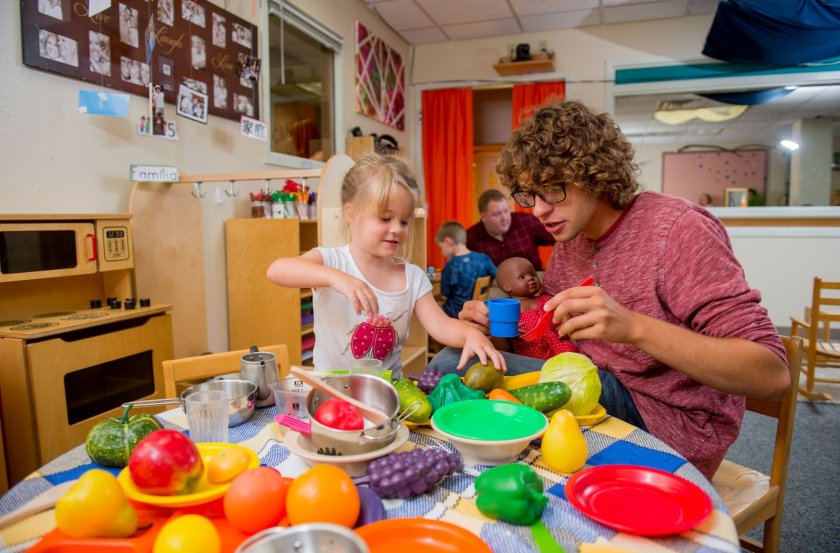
551,195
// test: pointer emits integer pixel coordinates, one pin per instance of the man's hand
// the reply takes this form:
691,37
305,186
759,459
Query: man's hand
590,313
475,314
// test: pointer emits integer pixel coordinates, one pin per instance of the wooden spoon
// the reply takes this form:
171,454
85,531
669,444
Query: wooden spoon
370,413
46,500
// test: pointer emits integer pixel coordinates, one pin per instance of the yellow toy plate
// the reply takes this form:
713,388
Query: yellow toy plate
412,425
597,414
204,492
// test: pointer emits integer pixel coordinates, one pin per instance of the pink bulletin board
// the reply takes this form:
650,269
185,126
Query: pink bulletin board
691,174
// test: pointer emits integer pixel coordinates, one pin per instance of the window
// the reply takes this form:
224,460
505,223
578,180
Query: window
301,86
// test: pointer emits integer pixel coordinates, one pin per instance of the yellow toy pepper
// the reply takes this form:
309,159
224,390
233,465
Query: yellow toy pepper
96,507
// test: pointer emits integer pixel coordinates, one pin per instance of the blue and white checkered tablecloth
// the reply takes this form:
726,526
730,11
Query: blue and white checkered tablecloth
610,441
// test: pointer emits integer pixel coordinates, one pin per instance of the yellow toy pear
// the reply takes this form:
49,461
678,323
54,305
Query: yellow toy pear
563,445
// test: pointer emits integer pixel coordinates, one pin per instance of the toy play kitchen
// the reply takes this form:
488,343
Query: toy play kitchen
76,340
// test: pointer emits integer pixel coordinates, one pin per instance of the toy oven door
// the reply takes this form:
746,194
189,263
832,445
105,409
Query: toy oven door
82,377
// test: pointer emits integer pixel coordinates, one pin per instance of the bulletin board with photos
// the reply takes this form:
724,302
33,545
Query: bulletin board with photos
196,44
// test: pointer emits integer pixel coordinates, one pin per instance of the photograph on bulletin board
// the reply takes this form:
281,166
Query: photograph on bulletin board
133,43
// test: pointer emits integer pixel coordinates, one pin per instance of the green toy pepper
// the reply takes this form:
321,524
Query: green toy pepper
511,492
450,389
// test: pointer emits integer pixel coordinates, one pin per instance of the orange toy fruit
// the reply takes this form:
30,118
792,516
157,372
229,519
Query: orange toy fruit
226,465
324,493
256,499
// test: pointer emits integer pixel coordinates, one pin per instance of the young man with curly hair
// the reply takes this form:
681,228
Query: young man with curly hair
676,331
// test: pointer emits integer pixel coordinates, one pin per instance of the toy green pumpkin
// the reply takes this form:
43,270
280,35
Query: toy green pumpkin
111,442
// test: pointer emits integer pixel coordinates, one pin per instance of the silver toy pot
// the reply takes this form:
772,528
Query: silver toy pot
260,367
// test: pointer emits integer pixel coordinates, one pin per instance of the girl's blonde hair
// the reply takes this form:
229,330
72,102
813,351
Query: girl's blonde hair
370,183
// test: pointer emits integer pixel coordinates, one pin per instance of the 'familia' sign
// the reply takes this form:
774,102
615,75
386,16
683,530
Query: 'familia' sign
154,173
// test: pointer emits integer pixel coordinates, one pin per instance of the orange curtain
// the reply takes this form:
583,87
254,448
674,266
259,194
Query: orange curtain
527,98
447,162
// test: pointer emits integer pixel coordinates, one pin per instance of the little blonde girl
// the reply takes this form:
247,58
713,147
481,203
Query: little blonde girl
364,294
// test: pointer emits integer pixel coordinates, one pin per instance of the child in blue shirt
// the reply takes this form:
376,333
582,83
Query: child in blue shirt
462,267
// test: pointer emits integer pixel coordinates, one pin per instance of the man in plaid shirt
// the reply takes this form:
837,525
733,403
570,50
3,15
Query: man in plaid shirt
501,234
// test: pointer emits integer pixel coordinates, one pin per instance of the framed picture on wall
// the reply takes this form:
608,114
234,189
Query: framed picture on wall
736,197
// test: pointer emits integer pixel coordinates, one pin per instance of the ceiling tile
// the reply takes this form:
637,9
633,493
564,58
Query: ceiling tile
639,12
482,29
403,14
565,20
538,7
424,36
450,12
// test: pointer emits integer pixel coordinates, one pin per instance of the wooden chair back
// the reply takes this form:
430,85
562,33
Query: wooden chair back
202,367
819,349
481,290
752,497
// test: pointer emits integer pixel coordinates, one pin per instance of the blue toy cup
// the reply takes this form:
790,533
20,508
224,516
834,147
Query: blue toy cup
504,317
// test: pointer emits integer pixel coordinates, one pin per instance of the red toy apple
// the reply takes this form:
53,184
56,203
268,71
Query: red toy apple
166,462
339,414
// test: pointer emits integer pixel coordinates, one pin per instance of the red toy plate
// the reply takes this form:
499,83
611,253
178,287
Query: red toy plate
638,500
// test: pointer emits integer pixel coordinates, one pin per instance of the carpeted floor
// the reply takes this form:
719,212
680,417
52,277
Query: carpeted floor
812,505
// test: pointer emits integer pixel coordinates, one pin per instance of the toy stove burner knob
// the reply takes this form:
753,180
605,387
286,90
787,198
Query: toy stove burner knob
145,302
130,303
95,304
115,304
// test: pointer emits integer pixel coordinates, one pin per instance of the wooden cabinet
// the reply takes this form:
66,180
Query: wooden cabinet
260,312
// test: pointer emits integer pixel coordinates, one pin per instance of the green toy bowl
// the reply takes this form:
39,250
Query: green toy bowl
489,432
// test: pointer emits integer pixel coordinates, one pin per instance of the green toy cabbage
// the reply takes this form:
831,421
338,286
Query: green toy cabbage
580,374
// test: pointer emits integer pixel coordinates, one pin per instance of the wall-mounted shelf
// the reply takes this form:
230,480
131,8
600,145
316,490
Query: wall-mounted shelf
506,68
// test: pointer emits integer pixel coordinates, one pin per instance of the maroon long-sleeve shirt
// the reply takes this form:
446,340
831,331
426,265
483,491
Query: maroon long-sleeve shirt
672,260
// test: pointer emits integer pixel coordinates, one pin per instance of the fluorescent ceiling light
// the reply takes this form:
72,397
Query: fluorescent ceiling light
710,114
789,144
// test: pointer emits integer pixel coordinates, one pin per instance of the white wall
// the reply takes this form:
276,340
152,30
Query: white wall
584,55
56,160
783,267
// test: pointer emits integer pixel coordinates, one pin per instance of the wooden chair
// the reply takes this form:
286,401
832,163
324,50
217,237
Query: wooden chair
820,351
481,290
753,497
203,367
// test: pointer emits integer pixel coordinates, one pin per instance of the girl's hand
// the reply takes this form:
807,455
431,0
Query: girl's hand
588,312
358,292
477,344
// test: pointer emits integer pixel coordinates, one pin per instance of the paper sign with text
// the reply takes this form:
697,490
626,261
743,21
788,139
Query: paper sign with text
253,128
154,173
